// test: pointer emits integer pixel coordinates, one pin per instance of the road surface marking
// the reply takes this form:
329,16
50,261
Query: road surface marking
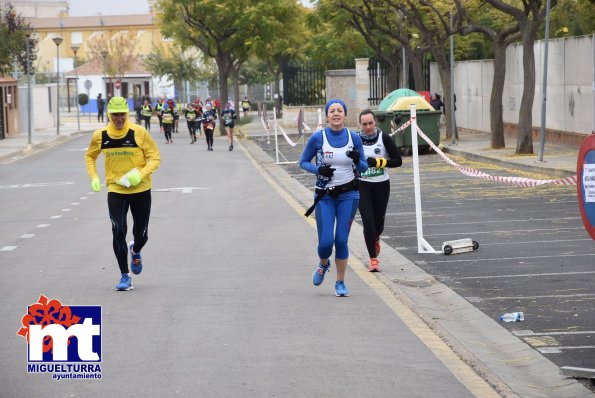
60,216
182,189
75,203
512,258
27,236
36,185
558,349
8,248
65,210
42,226
480,299
526,275
523,333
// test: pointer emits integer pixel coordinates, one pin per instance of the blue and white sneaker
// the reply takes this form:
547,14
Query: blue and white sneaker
136,262
125,283
341,290
318,275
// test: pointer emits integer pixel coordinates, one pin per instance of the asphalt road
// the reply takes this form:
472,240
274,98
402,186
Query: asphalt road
224,307
534,253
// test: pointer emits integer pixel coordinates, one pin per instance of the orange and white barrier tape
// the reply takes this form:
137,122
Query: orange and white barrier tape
403,127
265,124
516,181
289,141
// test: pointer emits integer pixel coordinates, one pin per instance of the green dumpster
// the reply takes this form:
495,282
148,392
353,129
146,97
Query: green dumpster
428,120
383,120
392,97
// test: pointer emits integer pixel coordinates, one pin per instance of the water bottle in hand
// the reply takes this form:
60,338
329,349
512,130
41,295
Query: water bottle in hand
512,317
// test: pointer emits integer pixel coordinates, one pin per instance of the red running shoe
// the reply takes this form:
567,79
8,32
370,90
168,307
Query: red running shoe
374,265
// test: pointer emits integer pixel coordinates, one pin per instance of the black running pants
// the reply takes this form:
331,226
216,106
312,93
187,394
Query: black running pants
372,207
140,207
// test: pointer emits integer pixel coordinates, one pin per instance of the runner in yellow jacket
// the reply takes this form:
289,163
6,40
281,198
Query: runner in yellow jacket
130,157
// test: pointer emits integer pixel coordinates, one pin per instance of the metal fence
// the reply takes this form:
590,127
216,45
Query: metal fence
378,86
303,85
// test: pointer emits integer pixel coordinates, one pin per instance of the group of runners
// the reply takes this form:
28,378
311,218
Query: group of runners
199,118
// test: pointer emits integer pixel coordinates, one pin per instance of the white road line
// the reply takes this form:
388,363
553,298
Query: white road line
83,198
65,209
27,236
508,221
523,333
558,350
480,299
75,203
42,226
526,275
512,258
497,232
36,185
54,217
8,248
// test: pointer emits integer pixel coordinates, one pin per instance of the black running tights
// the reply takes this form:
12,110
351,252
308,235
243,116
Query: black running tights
372,207
140,207
209,137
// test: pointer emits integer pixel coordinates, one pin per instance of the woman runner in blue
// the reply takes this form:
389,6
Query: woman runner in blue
340,158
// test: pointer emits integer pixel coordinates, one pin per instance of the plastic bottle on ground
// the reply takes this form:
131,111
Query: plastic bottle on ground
512,317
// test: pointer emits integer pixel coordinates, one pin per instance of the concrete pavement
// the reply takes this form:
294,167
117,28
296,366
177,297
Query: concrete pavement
509,365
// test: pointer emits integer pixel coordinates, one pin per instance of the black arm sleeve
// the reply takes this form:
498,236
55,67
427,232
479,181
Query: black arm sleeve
394,155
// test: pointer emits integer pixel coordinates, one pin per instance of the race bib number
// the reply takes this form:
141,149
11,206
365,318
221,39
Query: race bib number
372,172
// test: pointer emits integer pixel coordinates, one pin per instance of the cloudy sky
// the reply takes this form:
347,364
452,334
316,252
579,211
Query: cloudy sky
80,8
115,7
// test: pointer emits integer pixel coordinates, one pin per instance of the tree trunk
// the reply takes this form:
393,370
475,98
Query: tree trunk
393,62
525,138
223,66
496,108
277,92
236,92
417,65
444,71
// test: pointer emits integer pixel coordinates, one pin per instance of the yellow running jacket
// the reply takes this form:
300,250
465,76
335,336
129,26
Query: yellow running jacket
123,150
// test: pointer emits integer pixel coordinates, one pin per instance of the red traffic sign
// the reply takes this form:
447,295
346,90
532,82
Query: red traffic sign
585,173
118,84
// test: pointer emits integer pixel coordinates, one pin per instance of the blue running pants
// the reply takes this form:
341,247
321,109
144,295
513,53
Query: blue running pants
331,212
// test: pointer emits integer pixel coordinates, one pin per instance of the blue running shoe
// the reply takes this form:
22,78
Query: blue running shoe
341,290
125,283
318,275
136,263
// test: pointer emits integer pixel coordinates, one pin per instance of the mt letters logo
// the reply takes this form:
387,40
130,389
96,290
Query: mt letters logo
64,341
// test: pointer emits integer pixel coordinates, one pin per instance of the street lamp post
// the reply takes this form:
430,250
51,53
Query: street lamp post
74,49
104,54
28,33
58,40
